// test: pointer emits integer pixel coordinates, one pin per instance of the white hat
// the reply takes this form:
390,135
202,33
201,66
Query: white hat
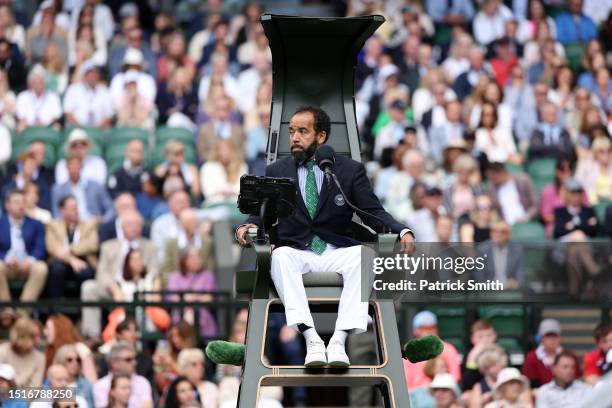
130,76
87,66
549,326
388,70
7,372
47,4
77,135
445,381
133,56
510,374
128,10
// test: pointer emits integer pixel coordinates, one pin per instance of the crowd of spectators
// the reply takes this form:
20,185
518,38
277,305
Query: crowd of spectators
549,376
476,117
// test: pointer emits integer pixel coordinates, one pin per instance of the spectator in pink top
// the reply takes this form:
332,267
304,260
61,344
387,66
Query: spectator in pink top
426,323
192,277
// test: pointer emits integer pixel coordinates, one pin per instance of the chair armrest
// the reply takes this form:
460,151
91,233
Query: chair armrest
386,244
253,274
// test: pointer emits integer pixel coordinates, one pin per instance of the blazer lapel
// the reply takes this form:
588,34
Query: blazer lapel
301,204
324,194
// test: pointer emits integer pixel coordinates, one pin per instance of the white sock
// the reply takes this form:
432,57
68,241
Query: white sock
339,336
311,335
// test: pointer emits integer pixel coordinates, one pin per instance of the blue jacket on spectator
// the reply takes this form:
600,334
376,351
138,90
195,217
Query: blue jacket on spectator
33,237
98,201
572,31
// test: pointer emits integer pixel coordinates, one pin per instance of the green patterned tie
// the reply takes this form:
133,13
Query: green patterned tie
312,197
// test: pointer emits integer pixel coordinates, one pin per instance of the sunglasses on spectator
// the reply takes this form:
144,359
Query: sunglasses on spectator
73,359
483,207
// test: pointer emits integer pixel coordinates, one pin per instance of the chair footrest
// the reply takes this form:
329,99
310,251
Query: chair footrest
325,378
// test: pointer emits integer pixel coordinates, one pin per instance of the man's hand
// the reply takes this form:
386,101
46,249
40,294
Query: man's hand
287,334
407,243
12,263
24,266
241,234
77,265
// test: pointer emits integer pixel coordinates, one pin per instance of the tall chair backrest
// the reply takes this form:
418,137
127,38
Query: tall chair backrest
313,62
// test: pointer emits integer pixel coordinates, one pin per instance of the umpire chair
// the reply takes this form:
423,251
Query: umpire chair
313,63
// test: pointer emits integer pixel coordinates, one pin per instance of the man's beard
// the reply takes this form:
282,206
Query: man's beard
301,156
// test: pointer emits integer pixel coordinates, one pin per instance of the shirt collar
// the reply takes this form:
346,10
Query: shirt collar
13,222
569,385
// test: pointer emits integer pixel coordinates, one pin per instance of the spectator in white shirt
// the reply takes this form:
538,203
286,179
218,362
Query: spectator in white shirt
493,140
489,24
564,390
36,106
250,79
133,108
88,103
94,168
167,226
220,69
457,62
133,61
102,18
449,131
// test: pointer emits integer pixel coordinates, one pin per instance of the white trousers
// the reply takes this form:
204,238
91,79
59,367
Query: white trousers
288,266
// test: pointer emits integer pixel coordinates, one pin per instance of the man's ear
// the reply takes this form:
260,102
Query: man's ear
321,137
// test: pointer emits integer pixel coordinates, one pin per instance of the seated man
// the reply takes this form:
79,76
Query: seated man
564,386
72,245
22,249
112,257
320,241
122,359
505,258
93,201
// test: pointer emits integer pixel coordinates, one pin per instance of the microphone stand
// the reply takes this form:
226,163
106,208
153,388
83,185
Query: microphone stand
358,210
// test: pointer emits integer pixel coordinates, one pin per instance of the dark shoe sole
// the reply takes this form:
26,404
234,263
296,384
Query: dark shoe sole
338,364
316,364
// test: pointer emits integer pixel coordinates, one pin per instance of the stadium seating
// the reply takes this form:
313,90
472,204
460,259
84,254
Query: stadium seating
542,172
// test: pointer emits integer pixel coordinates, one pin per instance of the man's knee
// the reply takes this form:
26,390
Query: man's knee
90,290
57,269
38,270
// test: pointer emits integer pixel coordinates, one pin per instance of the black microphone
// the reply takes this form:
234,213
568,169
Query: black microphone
325,157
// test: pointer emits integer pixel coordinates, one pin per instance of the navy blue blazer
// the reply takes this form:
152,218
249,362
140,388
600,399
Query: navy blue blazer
33,236
332,221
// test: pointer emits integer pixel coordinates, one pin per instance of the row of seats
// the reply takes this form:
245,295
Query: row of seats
109,144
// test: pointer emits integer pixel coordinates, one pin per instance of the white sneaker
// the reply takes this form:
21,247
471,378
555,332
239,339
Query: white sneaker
315,353
336,355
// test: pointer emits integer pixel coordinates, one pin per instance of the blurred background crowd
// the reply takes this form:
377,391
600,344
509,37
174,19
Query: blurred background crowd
125,127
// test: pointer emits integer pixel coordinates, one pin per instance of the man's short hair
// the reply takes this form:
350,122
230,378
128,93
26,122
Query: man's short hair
481,324
562,354
11,193
64,199
117,349
125,324
602,330
496,167
322,123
